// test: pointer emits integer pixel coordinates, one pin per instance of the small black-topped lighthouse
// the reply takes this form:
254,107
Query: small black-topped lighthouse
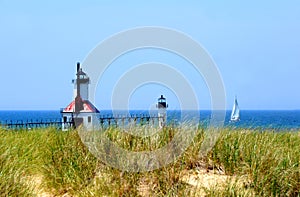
162,102
162,111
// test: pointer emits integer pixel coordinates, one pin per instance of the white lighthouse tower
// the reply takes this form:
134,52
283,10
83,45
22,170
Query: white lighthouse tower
162,111
81,84
81,112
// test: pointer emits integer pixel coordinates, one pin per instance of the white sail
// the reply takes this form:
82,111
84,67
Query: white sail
235,114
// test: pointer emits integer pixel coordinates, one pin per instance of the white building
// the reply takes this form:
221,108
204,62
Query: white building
162,111
80,111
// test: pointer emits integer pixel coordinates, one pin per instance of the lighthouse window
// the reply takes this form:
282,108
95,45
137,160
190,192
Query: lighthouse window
89,119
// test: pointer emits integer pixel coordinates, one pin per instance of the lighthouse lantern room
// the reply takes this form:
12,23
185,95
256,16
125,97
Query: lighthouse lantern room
162,111
80,111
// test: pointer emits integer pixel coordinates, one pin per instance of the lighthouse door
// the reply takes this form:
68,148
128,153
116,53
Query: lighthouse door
78,121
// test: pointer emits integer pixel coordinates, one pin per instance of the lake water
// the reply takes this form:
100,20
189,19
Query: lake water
273,119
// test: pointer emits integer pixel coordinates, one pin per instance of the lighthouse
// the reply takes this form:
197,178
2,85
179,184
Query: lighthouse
80,111
162,111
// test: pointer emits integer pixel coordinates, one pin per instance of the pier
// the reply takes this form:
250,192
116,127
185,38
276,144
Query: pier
31,124
105,121
122,121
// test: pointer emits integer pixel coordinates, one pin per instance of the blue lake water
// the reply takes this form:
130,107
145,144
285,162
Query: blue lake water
273,119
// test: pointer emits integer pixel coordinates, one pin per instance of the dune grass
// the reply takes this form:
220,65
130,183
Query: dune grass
18,157
270,160
257,164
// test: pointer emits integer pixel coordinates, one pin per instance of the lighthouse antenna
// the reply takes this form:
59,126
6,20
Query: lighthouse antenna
78,81
78,100
78,66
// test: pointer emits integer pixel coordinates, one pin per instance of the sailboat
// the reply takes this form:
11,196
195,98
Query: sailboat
235,114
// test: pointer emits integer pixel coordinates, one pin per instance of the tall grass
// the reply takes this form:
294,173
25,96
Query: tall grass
67,164
271,160
260,164
18,156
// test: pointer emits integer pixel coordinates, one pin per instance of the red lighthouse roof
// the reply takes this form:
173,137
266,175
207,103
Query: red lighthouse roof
88,107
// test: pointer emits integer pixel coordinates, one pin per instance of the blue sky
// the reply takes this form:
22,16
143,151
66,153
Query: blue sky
255,44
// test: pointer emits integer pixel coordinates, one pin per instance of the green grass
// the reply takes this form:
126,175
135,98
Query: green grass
18,157
270,160
258,164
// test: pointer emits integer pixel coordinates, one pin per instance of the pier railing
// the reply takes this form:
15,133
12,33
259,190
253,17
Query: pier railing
30,124
104,122
121,121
